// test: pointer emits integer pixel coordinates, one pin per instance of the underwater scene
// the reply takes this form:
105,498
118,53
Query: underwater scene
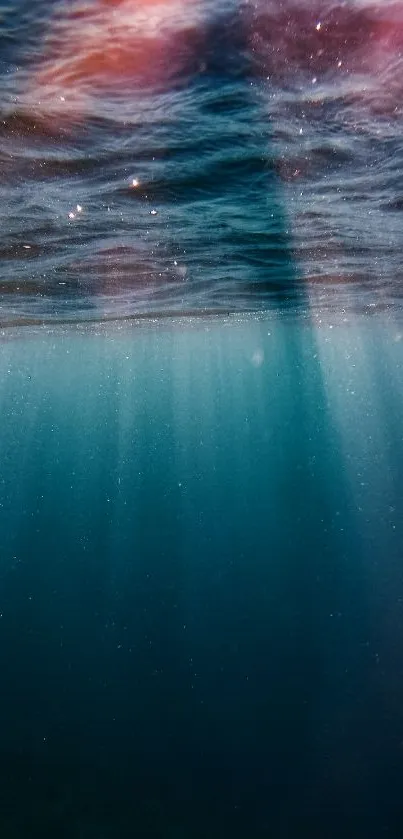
201,406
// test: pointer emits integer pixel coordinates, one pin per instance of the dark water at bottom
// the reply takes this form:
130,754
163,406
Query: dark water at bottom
201,599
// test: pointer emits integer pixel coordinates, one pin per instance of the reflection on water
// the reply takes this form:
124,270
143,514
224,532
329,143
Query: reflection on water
263,139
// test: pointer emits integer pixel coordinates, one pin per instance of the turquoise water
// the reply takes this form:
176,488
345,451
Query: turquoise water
201,586
201,446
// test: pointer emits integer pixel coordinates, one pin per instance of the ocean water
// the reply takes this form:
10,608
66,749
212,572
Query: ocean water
201,403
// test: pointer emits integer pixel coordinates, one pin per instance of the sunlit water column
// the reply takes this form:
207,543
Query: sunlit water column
200,545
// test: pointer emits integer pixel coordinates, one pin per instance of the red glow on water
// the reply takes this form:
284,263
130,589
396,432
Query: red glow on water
319,36
108,44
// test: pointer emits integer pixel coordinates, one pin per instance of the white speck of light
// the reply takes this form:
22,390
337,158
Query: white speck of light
314,80
318,26
135,182
79,208
258,358
72,215
153,212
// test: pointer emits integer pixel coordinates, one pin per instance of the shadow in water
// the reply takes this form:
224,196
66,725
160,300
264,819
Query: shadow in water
189,638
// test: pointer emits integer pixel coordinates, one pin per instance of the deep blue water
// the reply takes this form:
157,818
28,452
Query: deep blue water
201,605
201,404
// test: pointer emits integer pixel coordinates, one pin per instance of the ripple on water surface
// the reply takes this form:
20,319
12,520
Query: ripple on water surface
240,156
